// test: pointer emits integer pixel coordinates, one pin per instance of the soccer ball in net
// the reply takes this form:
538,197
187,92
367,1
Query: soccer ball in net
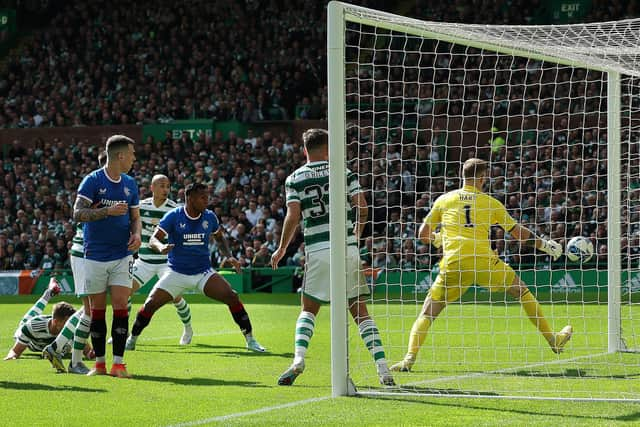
579,249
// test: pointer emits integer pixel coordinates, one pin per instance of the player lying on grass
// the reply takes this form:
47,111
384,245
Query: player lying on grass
307,191
465,217
37,330
188,229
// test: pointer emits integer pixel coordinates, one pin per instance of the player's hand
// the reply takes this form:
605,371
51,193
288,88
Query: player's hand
11,356
276,257
236,264
134,242
552,248
118,209
436,240
167,248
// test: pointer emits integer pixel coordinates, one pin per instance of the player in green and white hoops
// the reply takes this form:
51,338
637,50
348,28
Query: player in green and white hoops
151,264
37,330
307,191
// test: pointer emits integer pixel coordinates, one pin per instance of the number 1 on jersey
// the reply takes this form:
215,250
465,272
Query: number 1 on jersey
467,214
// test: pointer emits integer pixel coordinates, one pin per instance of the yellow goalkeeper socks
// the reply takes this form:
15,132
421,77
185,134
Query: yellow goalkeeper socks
534,311
418,334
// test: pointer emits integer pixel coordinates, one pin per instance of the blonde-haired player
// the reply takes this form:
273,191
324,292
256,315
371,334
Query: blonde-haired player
465,217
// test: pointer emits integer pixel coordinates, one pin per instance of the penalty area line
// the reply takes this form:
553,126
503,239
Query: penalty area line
252,412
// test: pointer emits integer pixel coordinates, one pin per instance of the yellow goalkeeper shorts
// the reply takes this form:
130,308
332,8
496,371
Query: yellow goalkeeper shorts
457,274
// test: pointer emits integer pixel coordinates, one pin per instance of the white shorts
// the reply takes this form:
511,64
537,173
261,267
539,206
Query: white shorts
99,275
145,271
317,275
177,283
77,269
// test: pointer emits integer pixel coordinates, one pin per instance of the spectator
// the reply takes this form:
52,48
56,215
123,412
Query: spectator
50,258
253,214
262,258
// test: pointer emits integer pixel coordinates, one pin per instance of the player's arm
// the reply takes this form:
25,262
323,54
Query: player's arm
225,251
501,217
362,213
83,211
16,351
288,231
427,236
155,242
550,247
135,240
426,233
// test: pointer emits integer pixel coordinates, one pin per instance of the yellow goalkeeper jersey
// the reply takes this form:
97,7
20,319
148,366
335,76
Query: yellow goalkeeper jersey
465,217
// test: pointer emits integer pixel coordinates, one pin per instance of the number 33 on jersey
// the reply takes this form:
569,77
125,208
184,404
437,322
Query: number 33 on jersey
309,185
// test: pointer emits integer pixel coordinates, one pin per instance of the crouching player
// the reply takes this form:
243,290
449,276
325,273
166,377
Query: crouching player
151,264
187,229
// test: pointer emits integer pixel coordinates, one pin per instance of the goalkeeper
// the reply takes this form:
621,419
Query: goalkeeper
464,217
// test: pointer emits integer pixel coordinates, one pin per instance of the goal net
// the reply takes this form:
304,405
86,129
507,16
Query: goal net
555,111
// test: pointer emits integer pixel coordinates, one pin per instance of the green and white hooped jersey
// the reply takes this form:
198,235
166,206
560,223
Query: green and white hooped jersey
151,216
34,333
309,185
77,242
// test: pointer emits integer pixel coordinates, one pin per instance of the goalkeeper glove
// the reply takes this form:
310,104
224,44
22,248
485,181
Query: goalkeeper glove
554,249
436,240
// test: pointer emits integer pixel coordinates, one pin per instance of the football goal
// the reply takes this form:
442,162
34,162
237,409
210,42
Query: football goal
555,111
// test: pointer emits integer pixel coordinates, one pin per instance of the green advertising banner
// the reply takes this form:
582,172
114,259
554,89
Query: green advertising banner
208,127
548,285
193,127
249,280
576,285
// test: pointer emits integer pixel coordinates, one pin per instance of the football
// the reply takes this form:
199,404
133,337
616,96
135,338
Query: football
579,249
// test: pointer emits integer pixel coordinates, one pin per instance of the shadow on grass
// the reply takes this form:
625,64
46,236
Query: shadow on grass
218,350
44,387
632,416
185,348
197,381
246,353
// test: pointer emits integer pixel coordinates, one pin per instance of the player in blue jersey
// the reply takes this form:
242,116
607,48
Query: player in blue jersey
80,323
108,205
187,229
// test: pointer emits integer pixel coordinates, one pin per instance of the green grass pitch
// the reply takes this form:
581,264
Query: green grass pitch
215,381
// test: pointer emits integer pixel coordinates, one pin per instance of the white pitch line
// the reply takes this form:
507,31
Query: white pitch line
143,339
253,412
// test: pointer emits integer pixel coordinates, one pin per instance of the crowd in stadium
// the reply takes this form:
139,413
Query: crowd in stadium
151,62
135,64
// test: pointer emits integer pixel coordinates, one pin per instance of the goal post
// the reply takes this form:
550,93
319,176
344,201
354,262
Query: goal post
337,199
614,274
556,112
